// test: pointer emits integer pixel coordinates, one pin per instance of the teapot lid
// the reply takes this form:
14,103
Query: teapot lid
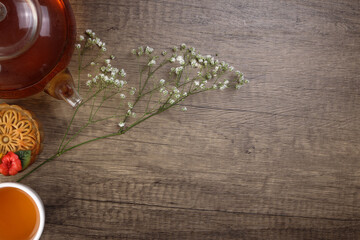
20,20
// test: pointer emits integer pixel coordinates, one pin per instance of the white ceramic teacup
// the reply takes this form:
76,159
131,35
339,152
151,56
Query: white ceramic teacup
37,200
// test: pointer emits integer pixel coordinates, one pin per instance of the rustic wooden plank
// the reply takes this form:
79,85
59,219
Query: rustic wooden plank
278,160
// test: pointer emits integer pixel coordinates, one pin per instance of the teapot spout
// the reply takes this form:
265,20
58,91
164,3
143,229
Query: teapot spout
62,87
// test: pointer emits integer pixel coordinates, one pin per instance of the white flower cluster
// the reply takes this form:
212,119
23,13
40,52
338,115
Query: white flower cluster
181,60
152,62
108,76
91,41
180,85
240,80
148,50
141,51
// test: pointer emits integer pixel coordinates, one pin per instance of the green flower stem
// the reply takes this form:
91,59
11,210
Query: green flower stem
73,117
141,70
68,127
107,118
160,110
150,74
75,135
148,102
173,92
90,121
101,104
79,70
39,166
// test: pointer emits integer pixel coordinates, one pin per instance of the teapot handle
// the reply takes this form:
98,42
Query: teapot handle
62,87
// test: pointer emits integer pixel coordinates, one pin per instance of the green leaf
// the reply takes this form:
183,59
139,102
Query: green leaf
25,158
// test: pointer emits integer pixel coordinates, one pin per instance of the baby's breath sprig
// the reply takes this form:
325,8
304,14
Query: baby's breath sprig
188,73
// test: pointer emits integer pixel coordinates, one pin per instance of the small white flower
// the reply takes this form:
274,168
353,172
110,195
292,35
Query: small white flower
180,59
129,112
107,61
122,73
78,46
238,86
122,96
89,75
208,76
117,82
178,70
122,124
222,87
162,81
152,62
185,94
133,115
103,49
132,92
226,82
89,31
130,105
231,68
197,83
122,83
165,92
184,109
141,51
177,96
176,90
112,57
82,38
172,60
92,64
164,53
183,46
88,83
214,86
149,50
171,101
194,63
134,52
114,71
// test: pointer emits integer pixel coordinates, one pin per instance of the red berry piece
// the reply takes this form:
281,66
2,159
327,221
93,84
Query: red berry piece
10,164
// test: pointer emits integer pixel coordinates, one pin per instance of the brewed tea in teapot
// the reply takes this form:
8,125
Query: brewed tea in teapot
37,40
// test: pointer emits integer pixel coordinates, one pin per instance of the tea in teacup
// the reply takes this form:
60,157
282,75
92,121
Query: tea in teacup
19,214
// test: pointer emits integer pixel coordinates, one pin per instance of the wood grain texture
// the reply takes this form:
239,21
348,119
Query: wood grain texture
280,160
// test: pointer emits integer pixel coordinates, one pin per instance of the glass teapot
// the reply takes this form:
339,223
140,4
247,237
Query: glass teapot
37,40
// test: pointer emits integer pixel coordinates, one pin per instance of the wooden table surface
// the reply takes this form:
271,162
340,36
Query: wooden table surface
278,160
